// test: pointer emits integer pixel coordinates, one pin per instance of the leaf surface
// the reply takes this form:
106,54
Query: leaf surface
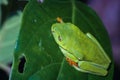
8,37
36,44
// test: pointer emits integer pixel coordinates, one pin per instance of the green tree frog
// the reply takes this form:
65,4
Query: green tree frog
82,50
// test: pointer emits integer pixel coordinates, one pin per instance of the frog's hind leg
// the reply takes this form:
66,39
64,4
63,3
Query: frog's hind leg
90,67
97,43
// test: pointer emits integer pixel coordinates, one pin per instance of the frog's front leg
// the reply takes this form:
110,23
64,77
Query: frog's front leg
70,56
90,67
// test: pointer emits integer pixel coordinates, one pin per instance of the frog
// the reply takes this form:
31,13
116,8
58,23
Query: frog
82,50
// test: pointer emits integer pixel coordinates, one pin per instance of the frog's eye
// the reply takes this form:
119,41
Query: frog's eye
53,31
59,38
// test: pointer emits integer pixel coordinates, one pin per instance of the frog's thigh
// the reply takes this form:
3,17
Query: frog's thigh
92,68
94,40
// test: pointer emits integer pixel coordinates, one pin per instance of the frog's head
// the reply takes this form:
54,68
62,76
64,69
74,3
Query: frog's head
61,33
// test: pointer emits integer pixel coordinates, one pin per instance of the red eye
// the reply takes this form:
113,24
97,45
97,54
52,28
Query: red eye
59,38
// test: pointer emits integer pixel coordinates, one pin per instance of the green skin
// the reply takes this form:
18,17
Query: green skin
81,48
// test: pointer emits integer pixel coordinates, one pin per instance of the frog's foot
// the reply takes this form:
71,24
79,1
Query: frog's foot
72,63
59,20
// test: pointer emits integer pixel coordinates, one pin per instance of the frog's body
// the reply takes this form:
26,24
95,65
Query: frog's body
81,48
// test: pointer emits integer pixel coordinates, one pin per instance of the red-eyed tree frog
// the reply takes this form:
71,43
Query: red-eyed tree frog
82,50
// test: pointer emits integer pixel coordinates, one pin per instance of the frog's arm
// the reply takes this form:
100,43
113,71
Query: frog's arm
90,67
68,55
100,47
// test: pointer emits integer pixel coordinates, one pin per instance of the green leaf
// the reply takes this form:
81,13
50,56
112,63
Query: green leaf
8,37
40,50
52,70
5,2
